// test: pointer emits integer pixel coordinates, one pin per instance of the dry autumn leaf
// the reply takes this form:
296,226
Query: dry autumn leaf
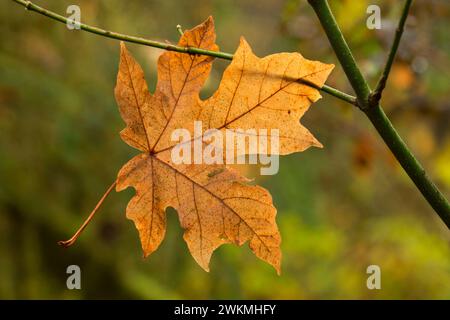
215,204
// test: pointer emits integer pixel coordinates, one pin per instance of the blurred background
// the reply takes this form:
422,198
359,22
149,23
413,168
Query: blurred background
340,209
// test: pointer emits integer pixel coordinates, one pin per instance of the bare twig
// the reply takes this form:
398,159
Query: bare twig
375,97
180,30
161,45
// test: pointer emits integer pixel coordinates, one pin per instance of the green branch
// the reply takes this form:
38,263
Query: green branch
376,95
376,114
161,45
343,52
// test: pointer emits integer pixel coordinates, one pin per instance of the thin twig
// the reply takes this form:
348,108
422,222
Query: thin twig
161,45
71,241
180,30
375,97
346,59
332,91
377,116
114,35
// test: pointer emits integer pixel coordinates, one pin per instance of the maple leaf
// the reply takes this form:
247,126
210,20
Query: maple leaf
215,204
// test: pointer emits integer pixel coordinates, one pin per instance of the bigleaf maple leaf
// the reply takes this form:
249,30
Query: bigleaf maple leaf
215,204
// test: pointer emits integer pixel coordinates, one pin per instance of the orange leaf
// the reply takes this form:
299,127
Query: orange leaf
215,204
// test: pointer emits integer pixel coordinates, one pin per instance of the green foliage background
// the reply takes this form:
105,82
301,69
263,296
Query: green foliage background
341,208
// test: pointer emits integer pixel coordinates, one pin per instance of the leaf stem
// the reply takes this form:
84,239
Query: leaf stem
161,45
376,114
375,97
333,92
71,241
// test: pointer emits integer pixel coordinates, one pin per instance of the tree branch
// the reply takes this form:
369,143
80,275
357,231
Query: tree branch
118,36
342,52
375,97
161,45
376,114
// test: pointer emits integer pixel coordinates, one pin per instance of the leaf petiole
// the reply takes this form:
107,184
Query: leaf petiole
71,241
